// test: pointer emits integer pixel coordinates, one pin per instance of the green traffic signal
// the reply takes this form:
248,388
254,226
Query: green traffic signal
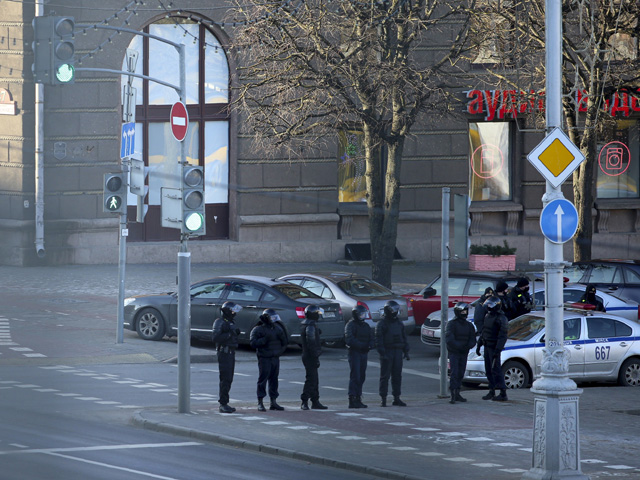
113,203
193,221
65,73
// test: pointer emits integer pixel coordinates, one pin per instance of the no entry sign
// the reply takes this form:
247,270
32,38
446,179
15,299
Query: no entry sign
179,119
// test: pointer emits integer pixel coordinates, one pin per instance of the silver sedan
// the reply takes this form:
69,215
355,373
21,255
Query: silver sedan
602,347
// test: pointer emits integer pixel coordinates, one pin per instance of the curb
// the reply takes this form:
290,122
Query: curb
138,420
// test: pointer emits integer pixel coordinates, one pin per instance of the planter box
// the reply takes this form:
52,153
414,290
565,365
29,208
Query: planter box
492,264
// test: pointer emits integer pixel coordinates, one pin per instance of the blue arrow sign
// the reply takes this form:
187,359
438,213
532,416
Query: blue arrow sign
127,139
559,221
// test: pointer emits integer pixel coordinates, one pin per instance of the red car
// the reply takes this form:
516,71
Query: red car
463,287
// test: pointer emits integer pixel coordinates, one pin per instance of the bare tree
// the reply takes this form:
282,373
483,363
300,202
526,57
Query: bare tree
313,68
600,75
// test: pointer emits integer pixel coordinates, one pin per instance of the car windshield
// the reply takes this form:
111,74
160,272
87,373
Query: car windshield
525,327
294,292
361,287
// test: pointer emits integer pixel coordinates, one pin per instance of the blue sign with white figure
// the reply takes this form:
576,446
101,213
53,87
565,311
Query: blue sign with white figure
128,139
559,221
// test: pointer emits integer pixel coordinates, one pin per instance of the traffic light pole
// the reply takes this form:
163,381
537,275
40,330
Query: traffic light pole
444,295
122,262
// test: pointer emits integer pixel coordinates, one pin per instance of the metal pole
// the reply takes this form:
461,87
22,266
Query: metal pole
556,434
39,157
122,261
184,283
184,332
444,295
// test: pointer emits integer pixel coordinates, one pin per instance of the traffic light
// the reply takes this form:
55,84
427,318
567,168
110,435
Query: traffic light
114,197
461,225
192,189
53,50
138,175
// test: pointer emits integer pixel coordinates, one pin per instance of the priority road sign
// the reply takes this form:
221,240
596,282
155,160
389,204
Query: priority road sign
179,119
559,221
556,157
127,139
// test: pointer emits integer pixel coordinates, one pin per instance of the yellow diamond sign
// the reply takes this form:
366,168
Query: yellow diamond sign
556,157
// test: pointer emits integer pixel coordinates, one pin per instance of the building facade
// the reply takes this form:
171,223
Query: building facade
271,209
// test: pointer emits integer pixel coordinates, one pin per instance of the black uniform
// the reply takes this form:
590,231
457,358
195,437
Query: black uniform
520,299
494,337
225,336
461,337
270,341
392,345
589,297
359,340
311,349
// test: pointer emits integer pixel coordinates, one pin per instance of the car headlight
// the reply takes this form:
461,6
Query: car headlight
127,301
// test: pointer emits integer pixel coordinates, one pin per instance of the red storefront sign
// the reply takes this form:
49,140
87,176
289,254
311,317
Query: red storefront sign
500,104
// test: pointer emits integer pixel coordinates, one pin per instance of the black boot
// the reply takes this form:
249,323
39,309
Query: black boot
383,403
352,402
359,403
305,405
502,397
490,395
274,405
398,403
261,406
316,405
460,398
226,409
453,397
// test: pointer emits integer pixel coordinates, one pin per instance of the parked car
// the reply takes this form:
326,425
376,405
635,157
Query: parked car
430,330
154,316
350,290
603,347
463,287
620,277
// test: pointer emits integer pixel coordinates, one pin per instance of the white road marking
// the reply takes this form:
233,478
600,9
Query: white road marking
403,449
351,437
400,424
430,454
458,459
410,371
377,443
486,465
619,467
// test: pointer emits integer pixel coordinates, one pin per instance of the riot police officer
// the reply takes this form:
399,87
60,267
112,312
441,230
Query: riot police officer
311,349
494,337
359,340
225,336
392,346
270,341
460,337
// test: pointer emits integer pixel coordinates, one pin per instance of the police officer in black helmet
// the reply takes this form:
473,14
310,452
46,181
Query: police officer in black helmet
494,337
359,340
460,337
270,341
392,346
311,349
225,336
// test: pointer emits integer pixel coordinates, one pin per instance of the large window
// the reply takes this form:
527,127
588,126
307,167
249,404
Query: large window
490,161
207,140
618,162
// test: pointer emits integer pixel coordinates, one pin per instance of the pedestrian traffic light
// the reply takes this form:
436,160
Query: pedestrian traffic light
53,50
137,178
192,189
114,193
461,225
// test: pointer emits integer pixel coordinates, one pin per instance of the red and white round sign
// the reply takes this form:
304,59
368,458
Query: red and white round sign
179,119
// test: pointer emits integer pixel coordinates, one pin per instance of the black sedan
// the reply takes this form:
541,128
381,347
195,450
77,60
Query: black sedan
154,316
617,277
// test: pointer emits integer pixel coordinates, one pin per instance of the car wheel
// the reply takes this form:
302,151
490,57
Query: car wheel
516,375
150,324
629,375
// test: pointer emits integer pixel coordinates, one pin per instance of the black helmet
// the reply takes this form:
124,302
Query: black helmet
313,312
391,309
359,313
461,310
269,316
493,304
229,309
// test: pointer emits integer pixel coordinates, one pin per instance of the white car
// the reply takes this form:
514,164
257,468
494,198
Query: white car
602,347
430,330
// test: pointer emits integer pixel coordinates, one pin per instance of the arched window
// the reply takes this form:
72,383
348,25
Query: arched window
207,140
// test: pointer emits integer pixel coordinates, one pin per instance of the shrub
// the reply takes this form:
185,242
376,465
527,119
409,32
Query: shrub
493,250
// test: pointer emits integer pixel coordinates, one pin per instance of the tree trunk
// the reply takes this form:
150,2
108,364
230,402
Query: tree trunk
384,227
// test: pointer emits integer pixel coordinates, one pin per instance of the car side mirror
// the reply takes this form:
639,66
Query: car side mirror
429,292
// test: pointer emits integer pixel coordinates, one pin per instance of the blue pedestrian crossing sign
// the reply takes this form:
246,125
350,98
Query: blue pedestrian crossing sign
559,221
127,140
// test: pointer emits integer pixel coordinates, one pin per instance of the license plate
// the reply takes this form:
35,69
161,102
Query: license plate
430,333
329,315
